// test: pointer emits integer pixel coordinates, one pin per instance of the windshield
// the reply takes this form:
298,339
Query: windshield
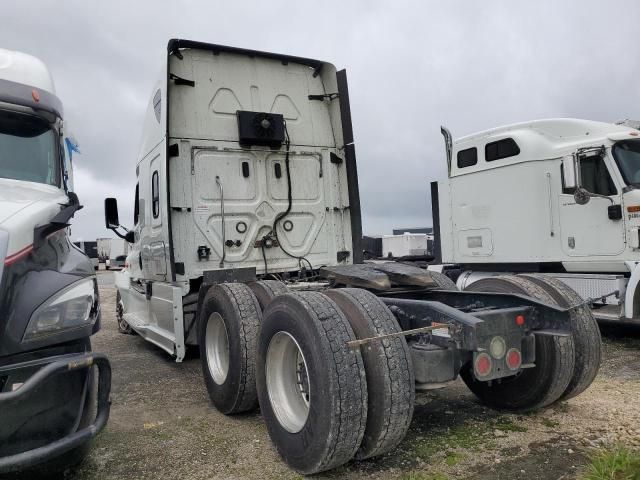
28,149
627,155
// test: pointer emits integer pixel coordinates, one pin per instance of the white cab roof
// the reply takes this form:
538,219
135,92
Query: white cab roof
26,69
544,138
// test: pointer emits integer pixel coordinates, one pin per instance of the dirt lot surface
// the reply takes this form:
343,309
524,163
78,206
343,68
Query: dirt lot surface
162,426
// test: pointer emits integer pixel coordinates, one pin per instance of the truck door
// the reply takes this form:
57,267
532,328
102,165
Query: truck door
154,254
586,229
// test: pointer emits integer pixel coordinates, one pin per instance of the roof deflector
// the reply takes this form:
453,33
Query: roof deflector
175,44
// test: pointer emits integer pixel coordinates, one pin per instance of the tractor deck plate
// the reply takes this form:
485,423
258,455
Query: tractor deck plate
378,276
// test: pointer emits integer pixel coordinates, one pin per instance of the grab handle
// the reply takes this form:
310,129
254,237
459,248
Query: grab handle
219,183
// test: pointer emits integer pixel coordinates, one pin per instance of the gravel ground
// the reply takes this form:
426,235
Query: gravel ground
163,427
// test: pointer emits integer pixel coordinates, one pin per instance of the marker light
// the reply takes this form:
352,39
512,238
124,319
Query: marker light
520,320
35,95
482,365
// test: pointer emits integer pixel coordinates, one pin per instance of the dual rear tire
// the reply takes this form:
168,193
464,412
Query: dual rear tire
564,366
312,387
388,368
323,402
228,337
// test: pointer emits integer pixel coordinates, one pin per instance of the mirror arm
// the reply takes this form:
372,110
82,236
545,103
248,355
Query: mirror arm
124,237
597,195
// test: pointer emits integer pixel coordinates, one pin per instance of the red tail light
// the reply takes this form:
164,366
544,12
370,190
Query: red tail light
514,359
482,365
520,320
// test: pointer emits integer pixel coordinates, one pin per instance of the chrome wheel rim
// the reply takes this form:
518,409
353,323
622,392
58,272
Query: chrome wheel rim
217,348
288,383
120,314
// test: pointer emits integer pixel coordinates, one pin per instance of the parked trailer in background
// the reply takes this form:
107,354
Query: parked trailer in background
119,247
118,250
104,249
246,243
90,249
558,197
407,245
54,392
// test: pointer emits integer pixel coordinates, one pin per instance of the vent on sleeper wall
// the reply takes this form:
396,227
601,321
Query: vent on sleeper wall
260,128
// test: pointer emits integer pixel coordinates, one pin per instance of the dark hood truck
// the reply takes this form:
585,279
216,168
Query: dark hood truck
54,392
247,243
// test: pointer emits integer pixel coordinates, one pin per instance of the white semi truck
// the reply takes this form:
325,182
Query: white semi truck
558,197
246,243
53,400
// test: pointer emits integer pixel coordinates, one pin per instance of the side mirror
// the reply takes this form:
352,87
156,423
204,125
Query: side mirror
111,213
582,196
614,212
130,237
569,172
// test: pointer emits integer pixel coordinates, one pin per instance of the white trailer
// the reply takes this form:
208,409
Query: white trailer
247,228
90,249
559,197
406,245
119,248
104,249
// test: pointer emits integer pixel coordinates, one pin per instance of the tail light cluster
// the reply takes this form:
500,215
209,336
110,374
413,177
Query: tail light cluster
488,364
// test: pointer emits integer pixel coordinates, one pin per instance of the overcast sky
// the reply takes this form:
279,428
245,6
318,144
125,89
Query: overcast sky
412,66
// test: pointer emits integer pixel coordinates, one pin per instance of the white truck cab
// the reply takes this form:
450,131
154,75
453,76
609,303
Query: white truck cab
558,196
247,162
49,302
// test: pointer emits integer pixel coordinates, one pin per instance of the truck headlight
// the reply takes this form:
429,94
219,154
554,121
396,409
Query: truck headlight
71,308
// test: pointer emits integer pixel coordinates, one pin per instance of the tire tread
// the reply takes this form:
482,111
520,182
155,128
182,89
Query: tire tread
266,290
585,330
442,281
399,381
349,370
240,298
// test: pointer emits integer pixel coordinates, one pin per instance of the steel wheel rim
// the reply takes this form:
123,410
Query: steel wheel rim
288,383
217,348
120,314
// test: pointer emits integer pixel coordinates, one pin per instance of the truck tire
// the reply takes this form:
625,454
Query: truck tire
388,368
311,385
123,326
443,282
228,336
584,330
531,388
267,290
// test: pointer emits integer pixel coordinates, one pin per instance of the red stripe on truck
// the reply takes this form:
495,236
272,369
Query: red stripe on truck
20,254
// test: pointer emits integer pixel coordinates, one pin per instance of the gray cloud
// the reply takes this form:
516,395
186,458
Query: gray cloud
412,66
